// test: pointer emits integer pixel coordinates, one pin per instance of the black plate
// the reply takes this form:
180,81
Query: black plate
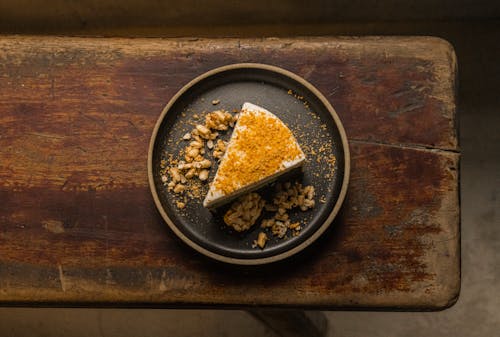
313,122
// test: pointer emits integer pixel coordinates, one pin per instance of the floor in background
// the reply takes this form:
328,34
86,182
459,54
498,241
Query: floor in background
477,311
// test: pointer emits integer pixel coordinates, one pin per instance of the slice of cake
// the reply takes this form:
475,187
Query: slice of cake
261,149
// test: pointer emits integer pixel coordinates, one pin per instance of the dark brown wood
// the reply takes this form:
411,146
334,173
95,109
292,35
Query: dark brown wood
78,224
153,17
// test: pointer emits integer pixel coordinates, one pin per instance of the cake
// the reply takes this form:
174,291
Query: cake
261,149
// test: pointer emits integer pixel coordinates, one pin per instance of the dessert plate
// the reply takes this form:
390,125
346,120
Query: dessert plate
306,112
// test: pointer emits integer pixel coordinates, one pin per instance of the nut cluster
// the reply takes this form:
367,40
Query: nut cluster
219,149
195,165
287,197
244,212
220,120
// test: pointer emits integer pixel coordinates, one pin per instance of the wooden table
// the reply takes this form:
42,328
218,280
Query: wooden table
78,225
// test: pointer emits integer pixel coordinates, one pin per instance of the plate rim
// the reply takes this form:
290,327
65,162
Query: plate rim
338,203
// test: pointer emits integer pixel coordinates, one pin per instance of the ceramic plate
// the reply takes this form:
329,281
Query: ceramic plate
315,125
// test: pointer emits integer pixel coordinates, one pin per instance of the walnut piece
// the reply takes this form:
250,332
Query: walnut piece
244,212
288,196
261,240
219,120
219,149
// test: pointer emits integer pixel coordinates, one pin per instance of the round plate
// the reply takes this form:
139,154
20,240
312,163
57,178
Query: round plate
305,111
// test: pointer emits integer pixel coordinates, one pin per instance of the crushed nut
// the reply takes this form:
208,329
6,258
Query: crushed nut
216,101
183,179
180,204
244,212
281,217
287,196
261,240
187,136
196,144
203,175
203,131
191,173
279,229
221,145
205,163
308,203
309,192
266,223
220,148
183,166
193,152
218,120
174,173
179,188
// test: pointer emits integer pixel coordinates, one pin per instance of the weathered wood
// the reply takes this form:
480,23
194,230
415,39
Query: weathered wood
78,224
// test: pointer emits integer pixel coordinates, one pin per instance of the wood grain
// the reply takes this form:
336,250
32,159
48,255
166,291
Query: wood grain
78,224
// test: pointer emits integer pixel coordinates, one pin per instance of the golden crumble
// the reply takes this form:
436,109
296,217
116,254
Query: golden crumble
268,145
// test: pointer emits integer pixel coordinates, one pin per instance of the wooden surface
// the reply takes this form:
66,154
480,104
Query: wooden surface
77,222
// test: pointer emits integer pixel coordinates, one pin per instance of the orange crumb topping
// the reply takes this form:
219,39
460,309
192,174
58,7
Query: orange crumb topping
260,147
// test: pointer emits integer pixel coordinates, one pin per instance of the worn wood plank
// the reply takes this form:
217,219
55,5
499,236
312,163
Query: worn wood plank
78,224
